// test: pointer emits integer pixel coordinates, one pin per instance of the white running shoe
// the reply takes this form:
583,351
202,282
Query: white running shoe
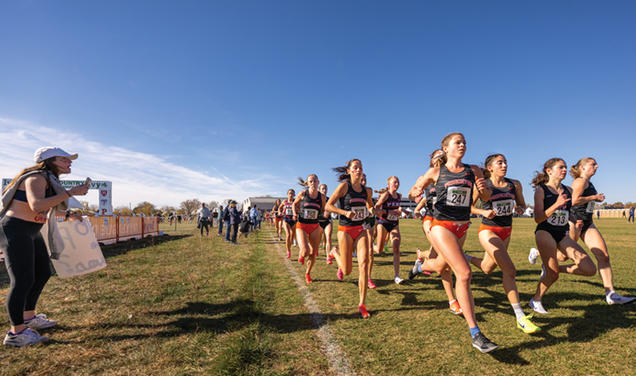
537,307
532,256
613,298
25,338
398,280
40,321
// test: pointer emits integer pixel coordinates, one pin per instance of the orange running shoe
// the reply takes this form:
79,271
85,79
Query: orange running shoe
454,307
363,311
308,278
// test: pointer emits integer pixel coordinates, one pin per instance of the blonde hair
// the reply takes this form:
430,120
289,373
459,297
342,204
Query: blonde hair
542,177
45,165
304,182
575,170
448,137
388,181
438,158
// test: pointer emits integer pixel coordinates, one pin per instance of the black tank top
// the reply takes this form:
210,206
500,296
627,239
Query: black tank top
389,205
502,201
585,211
356,202
288,212
310,208
454,194
431,198
558,221
321,217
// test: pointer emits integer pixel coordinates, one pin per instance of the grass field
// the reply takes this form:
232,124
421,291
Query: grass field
182,304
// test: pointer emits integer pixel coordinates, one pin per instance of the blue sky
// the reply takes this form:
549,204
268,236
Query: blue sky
176,100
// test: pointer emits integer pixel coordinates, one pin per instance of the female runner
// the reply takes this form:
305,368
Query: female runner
430,261
494,231
355,204
286,208
278,218
552,203
454,182
324,220
388,207
307,207
584,195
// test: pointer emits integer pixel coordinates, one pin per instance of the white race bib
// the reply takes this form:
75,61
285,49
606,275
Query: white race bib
392,217
458,196
559,218
309,213
590,207
289,212
504,207
359,213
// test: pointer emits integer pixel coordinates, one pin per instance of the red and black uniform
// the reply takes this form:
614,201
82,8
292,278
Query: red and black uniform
310,209
322,220
288,213
502,201
389,219
431,198
584,212
357,203
454,192
557,224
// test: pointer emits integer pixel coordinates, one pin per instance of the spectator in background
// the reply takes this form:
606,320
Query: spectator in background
254,218
203,217
221,219
631,215
598,214
232,222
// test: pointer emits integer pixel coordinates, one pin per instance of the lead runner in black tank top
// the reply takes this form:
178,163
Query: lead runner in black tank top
454,181
552,202
355,203
388,206
307,207
494,232
584,197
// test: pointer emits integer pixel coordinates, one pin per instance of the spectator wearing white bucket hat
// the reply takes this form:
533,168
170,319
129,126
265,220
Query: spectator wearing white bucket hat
30,200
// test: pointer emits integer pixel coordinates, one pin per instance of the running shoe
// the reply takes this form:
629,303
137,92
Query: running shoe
370,284
288,254
26,337
363,311
527,326
413,272
454,307
280,239
308,278
301,260
329,261
614,298
340,274
533,255
537,307
483,344
398,280
39,321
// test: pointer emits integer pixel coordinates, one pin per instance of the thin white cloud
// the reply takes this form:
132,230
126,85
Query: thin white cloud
136,176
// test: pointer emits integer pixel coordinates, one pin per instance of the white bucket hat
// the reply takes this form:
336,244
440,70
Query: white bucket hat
49,152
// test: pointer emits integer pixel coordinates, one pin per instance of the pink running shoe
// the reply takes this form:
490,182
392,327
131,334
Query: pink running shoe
329,261
371,284
301,260
363,311
340,274
288,254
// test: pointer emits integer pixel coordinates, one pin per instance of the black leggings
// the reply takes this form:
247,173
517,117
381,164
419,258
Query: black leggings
27,263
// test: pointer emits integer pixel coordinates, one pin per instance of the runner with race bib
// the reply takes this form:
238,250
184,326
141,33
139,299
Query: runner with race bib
454,182
324,220
286,209
552,202
495,229
584,196
307,207
388,206
355,204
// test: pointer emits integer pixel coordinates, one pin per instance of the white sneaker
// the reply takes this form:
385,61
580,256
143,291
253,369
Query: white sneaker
532,256
25,338
613,298
537,307
40,321
398,280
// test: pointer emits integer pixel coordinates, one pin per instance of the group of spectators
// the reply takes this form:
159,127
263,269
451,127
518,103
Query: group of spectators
234,220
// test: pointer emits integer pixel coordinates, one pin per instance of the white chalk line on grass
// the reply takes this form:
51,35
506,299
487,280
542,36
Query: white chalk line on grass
338,362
